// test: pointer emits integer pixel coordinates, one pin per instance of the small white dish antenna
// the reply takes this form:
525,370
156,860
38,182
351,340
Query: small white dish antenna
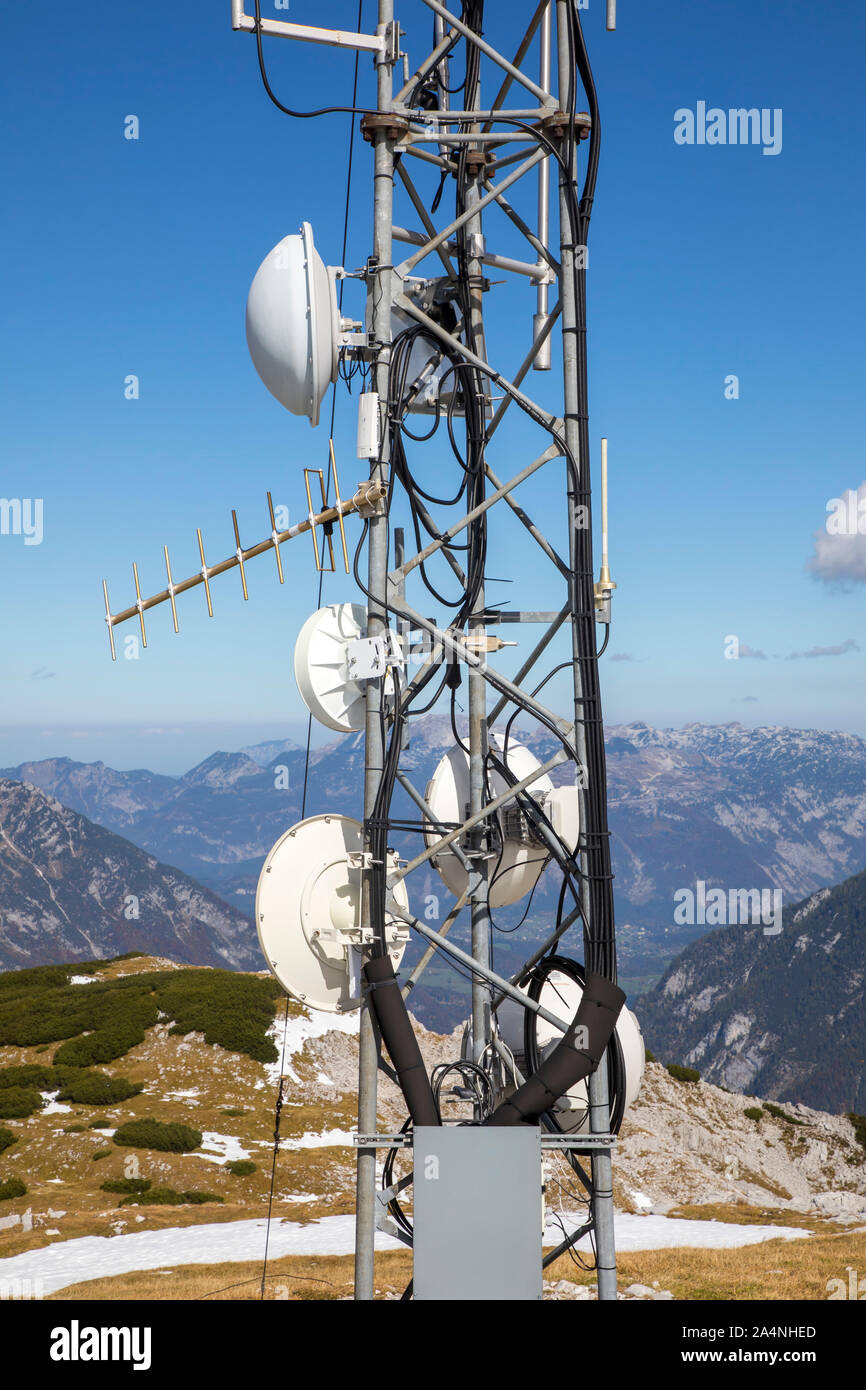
514,874
308,913
293,324
333,663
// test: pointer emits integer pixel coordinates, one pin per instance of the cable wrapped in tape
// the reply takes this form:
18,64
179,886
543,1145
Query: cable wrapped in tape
392,1016
592,1027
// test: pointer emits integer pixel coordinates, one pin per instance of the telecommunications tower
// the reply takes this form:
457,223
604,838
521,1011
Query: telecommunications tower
483,177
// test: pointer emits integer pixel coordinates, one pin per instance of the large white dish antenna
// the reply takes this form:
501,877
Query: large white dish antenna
514,874
561,995
308,913
293,324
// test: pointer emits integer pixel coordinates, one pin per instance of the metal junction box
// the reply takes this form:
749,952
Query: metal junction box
478,1213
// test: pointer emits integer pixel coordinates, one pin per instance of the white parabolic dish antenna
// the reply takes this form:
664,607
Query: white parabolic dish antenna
308,912
514,874
321,669
561,995
293,324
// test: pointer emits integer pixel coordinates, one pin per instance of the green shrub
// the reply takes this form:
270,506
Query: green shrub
157,1197
153,1134
7,1138
100,1153
125,1185
99,1124
75,1129
859,1123
233,1011
99,1089
168,1197
650,1056
39,1077
37,977
241,1167
124,1027
101,1022
12,1187
683,1073
234,1112
754,1112
779,1114
31,1015
17,1102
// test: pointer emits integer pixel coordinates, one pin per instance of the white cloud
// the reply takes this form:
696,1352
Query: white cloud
840,548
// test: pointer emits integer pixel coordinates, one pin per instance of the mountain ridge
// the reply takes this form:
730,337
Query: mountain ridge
784,1013
70,887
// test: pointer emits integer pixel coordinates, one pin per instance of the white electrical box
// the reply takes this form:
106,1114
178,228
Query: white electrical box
477,1213
368,425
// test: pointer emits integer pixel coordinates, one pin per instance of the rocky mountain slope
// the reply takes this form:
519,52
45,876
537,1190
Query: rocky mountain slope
72,890
685,1149
783,1014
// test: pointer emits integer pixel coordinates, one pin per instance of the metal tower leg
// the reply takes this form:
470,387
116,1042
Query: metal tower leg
602,1173
365,1217
478,730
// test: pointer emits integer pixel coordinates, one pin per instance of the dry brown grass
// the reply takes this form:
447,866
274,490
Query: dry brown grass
739,1214
776,1269
294,1277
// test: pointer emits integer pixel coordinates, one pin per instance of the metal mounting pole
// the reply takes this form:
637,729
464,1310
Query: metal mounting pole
602,1175
478,733
381,291
543,357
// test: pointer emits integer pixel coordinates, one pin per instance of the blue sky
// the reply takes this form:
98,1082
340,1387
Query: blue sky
135,257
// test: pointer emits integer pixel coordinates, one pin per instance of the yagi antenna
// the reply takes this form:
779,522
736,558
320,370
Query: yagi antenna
365,502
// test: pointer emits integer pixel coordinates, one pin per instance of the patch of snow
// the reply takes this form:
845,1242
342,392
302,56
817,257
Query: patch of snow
324,1080
291,1036
93,1257
654,1232
331,1138
225,1148
82,979
52,1107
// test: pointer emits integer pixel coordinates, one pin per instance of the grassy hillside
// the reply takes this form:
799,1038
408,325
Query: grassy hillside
194,1048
